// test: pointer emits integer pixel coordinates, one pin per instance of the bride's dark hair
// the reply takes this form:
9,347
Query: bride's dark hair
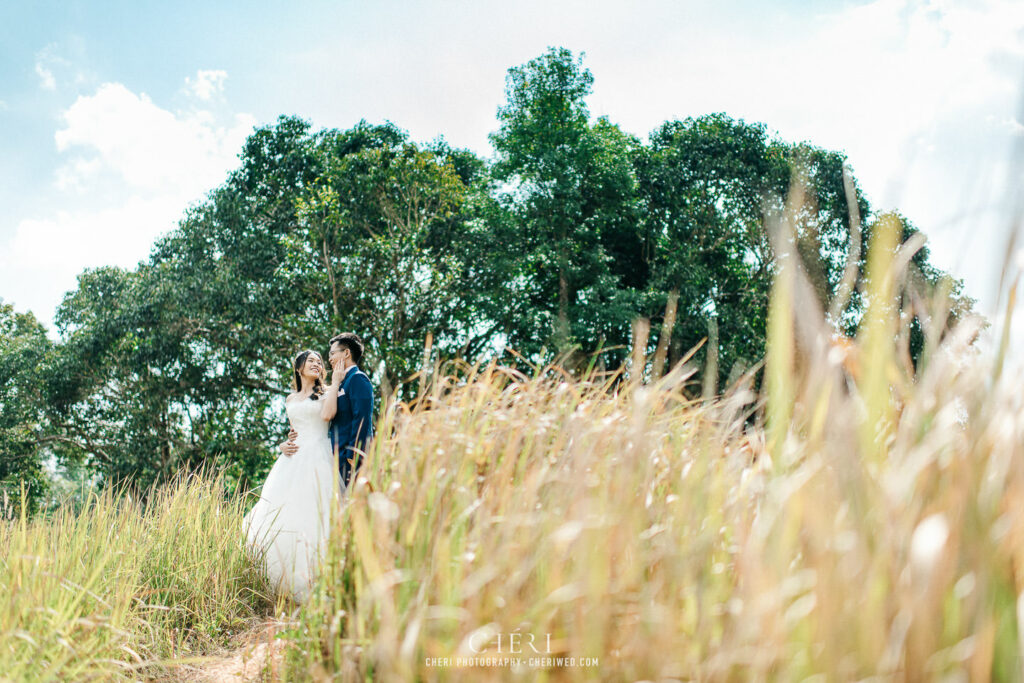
318,384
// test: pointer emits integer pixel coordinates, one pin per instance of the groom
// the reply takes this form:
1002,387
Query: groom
352,426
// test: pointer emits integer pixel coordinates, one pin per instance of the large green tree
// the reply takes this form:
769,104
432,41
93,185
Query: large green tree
23,351
375,229
569,189
712,188
603,229
570,233
185,359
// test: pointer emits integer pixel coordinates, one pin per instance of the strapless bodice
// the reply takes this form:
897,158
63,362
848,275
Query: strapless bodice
305,418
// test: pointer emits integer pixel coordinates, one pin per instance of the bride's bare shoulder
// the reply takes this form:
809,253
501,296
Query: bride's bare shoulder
290,398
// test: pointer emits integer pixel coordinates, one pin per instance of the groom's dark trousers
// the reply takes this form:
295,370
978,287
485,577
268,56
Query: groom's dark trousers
352,426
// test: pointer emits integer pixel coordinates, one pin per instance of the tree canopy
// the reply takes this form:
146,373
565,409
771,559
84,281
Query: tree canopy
23,350
574,229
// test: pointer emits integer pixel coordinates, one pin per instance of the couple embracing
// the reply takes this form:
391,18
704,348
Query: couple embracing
331,425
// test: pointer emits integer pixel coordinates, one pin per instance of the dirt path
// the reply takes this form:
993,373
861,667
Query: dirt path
250,653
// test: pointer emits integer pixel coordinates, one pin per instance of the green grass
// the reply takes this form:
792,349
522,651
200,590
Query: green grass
112,591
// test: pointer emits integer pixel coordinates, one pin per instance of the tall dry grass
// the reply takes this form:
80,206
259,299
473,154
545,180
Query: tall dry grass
874,531
116,590
855,521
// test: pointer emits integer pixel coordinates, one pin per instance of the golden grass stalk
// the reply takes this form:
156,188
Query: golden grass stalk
882,539
118,588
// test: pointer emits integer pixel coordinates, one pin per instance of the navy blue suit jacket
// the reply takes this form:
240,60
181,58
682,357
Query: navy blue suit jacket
352,426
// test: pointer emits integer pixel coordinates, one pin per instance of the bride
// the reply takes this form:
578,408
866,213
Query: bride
291,520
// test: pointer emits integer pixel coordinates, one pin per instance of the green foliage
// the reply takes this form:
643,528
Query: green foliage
186,359
711,187
571,198
557,245
23,349
369,253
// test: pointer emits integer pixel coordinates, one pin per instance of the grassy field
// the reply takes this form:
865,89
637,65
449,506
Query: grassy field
117,590
850,522
871,530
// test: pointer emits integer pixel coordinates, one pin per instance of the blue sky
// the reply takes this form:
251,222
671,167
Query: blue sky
115,116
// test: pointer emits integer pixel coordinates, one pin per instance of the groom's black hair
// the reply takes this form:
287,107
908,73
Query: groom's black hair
353,343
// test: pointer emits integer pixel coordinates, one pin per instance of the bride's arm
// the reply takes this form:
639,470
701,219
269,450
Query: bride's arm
330,403
289,447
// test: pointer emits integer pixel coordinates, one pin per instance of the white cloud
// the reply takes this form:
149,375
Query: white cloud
47,60
207,83
119,235
149,148
131,170
77,174
46,78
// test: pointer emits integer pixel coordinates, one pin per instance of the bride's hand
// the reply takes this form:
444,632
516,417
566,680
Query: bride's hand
337,370
288,448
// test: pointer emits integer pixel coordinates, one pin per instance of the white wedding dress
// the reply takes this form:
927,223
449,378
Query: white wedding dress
291,520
